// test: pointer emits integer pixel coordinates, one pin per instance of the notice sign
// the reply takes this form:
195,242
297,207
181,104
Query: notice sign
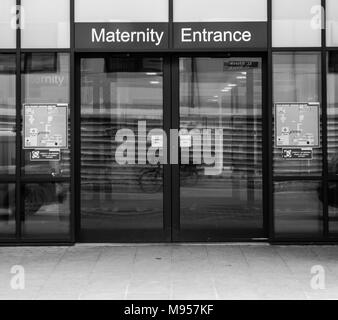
297,124
297,154
45,155
45,126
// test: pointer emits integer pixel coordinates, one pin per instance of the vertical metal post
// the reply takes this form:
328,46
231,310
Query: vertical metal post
18,195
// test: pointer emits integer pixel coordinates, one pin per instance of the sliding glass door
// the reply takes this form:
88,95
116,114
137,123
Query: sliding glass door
220,172
121,185
171,148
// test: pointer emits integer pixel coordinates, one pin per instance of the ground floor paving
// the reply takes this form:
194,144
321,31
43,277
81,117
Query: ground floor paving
231,271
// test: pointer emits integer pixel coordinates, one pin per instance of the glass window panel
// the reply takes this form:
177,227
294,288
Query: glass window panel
121,11
7,114
46,23
332,195
295,23
298,209
7,210
7,32
221,186
332,23
220,10
332,112
45,79
46,211
296,78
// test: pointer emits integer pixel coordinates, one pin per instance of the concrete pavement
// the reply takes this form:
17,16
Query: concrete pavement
230,271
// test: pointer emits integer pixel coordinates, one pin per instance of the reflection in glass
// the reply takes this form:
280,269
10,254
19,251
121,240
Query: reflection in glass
296,78
118,94
45,79
46,211
220,93
7,114
332,197
332,112
7,210
298,209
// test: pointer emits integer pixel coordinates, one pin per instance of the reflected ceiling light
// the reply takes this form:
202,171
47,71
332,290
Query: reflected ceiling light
226,89
154,82
244,73
232,85
215,96
241,77
151,73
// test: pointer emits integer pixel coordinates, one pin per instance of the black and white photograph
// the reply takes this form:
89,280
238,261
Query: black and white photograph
168,156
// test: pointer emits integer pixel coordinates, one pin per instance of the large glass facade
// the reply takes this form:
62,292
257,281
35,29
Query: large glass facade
36,197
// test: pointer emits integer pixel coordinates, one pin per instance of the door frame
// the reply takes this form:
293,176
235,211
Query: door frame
171,189
163,235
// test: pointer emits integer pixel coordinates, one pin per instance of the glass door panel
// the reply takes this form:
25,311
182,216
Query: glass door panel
221,148
121,187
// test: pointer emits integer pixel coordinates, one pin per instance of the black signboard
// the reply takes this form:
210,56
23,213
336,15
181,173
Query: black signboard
219,35
155,36
297,154
121,36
